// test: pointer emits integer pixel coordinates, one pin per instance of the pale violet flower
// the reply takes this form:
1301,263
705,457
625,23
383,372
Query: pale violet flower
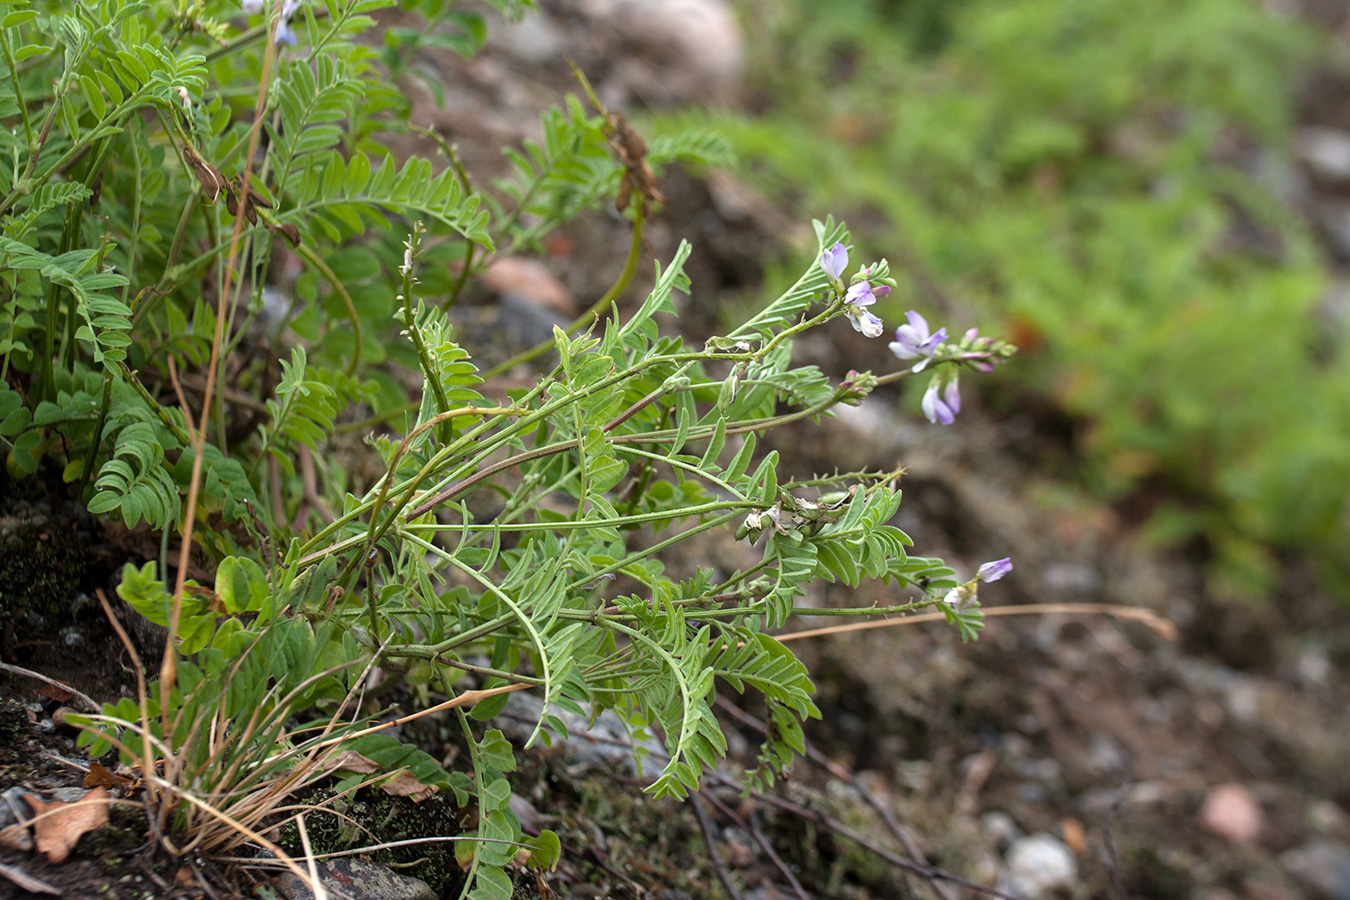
941,403
995,569
285,33
963,596
860,296
913,341
834,261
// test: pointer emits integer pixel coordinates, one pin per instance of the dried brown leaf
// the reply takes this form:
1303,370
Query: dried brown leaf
59,826
100,777
405,785
351,761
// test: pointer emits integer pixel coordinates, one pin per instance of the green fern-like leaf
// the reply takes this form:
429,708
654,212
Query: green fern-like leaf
796,564
135,481
45,199
569,172
303,413
334,197
313,102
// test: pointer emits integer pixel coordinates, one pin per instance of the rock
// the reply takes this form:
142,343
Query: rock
1322,867
1325,151
1231,812
536,39
999,827
532,282
602,745
671,51
1039,865
357,880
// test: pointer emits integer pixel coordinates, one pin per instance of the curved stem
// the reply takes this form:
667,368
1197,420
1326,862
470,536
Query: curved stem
586,319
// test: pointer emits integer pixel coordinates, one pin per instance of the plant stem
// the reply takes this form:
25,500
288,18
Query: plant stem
586,319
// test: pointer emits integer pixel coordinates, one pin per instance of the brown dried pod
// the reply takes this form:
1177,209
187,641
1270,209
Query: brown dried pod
207,175
288,230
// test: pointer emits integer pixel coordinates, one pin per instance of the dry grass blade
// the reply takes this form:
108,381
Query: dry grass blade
320,893
243,829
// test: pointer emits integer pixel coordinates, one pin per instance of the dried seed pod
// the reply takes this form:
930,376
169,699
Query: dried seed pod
207,175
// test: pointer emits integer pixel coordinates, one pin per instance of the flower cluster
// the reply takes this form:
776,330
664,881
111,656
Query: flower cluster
285,33
914,340
860,295
963,595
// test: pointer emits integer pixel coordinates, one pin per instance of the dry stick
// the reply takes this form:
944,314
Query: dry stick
178,392
372,848
202,880
901,833
28,673
167,674
706,827
763,844
777,860
142,703
1162,627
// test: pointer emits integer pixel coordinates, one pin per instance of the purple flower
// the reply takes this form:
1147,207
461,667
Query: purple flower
860,296
285,33
995,569
834,261
863,294
913,341
941,409
865,322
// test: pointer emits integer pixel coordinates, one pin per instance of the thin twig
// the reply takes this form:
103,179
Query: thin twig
706,827
28,673
1112,855
1161,626
168,668
761,840
202,880
777,861
923,870
901,833
178,392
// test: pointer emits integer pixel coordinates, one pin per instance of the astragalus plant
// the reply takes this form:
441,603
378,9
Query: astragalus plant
163,158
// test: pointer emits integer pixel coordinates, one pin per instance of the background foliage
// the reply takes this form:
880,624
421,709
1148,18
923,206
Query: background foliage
1104,178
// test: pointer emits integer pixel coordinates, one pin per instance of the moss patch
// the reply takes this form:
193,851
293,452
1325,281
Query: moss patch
373,817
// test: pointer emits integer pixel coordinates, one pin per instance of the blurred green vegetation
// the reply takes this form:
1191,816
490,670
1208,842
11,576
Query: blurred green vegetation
1095,177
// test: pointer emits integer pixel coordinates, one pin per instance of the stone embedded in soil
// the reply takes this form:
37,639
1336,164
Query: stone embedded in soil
1232,812
357,880
1322,867
1039,865
601,745
1325,151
